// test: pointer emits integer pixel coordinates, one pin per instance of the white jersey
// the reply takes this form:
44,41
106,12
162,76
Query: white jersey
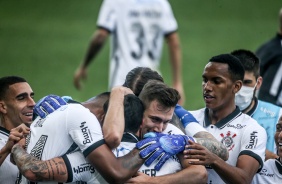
138,28
270,173
71,126
8,171
172,165
80,170
241,135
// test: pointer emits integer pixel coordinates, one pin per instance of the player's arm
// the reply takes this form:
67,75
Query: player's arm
207,140
98,39
176,143
15,135
193,128
115,170
249,161
113,126
176,63
189,174
38,170
243,172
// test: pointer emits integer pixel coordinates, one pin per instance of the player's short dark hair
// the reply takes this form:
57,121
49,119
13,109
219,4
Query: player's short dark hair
133,112
103,95
138,77
6,81
235,68
249,61
156,90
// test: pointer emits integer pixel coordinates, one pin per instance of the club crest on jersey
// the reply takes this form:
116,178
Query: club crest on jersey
227,140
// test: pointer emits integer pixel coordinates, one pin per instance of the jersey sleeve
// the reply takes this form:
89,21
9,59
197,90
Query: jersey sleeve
254,143
78,168
169,21
172,130
192,128
107,15
84,129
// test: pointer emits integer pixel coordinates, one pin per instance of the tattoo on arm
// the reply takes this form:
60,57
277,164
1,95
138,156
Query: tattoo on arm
40,170
132,160
207,140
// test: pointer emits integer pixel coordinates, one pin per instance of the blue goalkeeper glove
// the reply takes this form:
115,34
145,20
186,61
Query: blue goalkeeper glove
184,116
48,104
161,147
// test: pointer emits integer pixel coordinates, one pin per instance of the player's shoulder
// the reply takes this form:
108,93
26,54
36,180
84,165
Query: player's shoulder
4,132
74,107
247,120
250,123
268,108
198,113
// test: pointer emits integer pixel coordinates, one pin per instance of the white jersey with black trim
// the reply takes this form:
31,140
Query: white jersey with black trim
241,135
71,126
138,28
8,171
80,170
270,173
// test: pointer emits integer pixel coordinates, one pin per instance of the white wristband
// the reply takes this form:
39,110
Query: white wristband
192,128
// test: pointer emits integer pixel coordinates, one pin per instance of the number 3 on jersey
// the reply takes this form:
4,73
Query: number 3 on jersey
147,41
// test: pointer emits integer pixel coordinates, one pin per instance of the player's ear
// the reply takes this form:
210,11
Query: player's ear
237,86
3,107
259,82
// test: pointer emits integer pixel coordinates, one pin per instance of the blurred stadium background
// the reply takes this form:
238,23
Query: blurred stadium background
44,41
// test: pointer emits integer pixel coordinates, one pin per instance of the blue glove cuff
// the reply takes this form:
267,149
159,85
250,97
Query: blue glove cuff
184,116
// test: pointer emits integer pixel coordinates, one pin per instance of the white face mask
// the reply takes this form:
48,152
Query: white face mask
244,97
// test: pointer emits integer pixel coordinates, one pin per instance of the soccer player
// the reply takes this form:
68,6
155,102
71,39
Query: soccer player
74,126
58,169
16,107
138,29
158,113
266,114
135,80
244,138
272,168
270,54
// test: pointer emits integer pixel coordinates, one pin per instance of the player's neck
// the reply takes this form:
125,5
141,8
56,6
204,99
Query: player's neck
5,123
217,115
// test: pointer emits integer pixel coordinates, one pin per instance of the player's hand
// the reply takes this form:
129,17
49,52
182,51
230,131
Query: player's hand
16,134
48,104
184,116
200,155
161,147
80,74
121,90
139,177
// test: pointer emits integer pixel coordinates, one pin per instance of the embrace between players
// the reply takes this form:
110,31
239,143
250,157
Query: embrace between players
102,134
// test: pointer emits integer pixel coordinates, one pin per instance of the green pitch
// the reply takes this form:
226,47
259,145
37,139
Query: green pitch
44,41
